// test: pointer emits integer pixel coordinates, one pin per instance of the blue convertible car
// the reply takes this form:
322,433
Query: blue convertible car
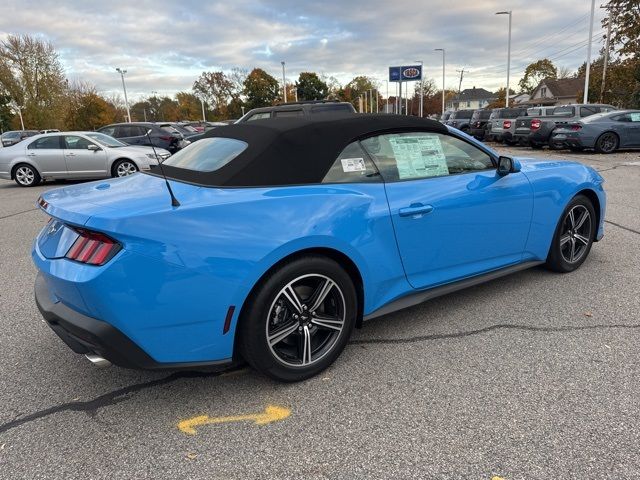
271,240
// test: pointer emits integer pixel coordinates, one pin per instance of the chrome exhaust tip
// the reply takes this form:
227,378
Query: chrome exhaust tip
97,360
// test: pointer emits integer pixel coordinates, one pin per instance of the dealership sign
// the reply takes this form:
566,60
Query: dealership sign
405,74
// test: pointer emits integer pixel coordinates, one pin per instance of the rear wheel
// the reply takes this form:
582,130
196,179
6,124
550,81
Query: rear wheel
122,168
26,176
573,237
299,320
607,143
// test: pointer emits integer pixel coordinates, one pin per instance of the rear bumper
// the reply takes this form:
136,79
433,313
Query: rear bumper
85,335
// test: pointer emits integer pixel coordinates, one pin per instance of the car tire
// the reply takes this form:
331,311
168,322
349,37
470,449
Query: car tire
26,175
608,142
288,297
573,237
123,168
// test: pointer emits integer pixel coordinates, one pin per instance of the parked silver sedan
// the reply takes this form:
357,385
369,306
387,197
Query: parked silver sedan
74,155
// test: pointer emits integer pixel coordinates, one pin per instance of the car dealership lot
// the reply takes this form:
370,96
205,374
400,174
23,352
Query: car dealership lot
530,376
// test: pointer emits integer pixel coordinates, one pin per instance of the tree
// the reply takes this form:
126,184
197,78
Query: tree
189,107
356,87
86,110
260,89
5,112
625,27
499,102
535,72
217,89
310,87
564,72
32,75
622,87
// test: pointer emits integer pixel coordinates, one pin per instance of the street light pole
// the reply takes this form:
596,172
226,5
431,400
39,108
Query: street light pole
124,87
284,84
204,117
421,86
442,50
586,77
506,96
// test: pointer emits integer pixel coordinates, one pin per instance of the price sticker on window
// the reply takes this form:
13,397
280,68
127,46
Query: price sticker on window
353,165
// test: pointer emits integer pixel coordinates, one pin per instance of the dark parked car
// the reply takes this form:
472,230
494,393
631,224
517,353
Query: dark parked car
478,123
541,128
136,134
460,120
297,109
523,123
445,117
15,136
604,132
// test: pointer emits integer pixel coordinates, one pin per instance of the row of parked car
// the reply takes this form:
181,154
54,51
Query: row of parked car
600,127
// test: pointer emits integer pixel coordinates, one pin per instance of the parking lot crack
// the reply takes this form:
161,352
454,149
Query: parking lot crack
17,213
111,398
445,336
622,227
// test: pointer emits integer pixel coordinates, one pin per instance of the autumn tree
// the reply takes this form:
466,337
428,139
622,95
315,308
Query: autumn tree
5,112
625,27
535,72
217,89
356,87
32,75
86,110
189,107
499,102
310,87
260,89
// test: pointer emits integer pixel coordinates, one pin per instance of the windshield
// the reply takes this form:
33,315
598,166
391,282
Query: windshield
563,111
596,117
481,114
208,154
105,140
462,114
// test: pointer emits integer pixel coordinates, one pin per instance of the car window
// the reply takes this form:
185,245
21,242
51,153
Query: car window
46,142
108,131
208,154
352,166
586,111
634,117
563,111
287,113
259,116
415,155
73,142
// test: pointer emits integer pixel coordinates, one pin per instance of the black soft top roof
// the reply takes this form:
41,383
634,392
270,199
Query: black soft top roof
294,151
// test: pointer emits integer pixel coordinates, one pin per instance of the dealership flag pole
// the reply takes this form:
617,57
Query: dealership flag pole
586,78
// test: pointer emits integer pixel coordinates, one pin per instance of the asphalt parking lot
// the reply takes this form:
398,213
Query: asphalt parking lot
531,376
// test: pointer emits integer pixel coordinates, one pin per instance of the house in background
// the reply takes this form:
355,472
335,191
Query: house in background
556,92
471,99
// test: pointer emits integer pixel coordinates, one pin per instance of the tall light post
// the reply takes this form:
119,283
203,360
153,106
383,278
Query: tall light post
506,96
586,78
124,87
386,104
421,85
284,84
204,117
442,50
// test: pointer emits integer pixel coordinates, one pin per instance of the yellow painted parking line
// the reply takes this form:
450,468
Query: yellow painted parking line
497,478
272,413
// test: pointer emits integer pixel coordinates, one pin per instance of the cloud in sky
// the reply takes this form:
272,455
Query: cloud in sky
165,45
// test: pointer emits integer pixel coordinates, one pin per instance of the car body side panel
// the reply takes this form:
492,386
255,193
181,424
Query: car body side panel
554,185
181,269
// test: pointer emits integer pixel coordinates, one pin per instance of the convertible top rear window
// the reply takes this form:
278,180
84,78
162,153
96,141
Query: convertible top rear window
208,154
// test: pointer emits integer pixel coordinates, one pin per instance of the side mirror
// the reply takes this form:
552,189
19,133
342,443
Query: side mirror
507,165
92,147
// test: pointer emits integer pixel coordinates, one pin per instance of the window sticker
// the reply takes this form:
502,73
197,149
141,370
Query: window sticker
635,117
419,157
353,165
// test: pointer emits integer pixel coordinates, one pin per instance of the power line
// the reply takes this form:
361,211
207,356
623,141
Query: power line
547,38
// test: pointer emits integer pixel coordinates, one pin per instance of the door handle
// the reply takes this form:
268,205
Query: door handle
31,154
415,209
71,154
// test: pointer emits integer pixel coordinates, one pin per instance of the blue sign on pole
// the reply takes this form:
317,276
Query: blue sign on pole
406,73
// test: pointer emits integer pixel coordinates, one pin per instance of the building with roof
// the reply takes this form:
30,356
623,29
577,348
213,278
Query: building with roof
471,99
563,91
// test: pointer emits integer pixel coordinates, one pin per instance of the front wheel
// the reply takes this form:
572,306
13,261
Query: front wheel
26,176
122,168
573,237
299,320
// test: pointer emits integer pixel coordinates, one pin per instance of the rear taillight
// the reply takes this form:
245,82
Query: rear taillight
166,138
506,124
535,124
92,248
576,127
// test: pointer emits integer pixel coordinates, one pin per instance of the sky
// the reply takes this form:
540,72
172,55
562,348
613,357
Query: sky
165,45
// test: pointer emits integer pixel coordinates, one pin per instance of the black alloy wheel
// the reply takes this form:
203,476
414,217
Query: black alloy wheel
573,237
607,143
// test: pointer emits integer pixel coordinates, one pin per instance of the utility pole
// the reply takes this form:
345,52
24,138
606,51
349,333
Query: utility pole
126,100
370,101
506,95
461,72
585,97
421,86
606,60
284,84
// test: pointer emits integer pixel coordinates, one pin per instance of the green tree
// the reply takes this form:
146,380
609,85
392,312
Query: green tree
355,88
217,89
310,87
86,110
625,27
5,112
535,72
32,75
622,87
260,89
